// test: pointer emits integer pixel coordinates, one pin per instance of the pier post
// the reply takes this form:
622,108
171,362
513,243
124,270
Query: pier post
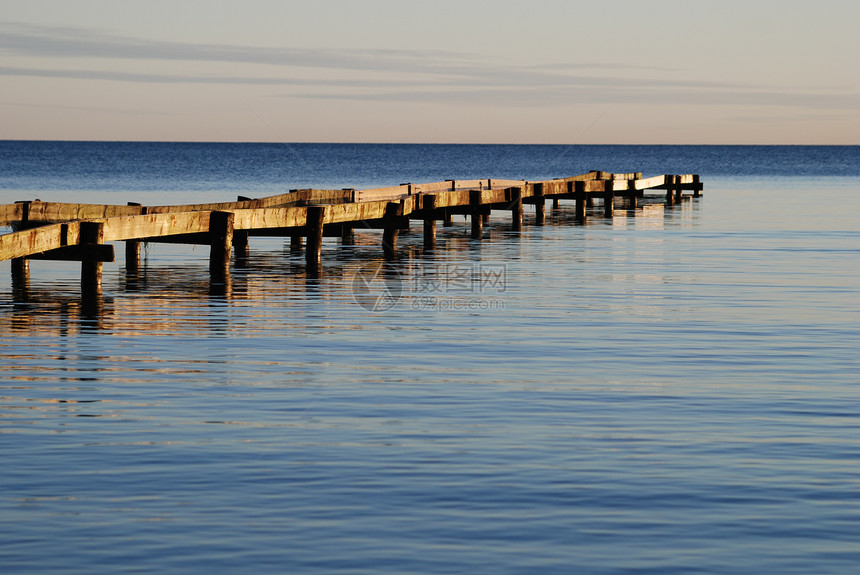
679,191
670,190
23,224
429,221
391,223
540,204
555,203
516,209
314,226
697,189
91,271
132,257
241,248
475,200
608,198
220,244
296,243
132,250
20,279
579,195
632,196
447,218
21,266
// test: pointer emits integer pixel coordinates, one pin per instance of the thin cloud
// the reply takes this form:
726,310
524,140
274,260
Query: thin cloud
117,76
607,94
443,66
55,42
522,78
399,75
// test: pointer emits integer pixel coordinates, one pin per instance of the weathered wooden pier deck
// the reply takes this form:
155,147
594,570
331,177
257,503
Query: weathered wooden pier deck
83,232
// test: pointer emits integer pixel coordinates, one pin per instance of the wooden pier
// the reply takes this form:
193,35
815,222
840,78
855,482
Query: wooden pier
84,232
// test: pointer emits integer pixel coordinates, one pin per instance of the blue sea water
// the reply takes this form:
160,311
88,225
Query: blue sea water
674,390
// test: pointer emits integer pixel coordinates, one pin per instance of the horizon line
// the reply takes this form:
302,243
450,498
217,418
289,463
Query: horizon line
372,143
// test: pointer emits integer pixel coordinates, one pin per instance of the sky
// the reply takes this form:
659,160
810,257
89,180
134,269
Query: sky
533,72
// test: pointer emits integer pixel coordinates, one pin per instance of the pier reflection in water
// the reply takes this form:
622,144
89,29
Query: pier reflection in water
163,294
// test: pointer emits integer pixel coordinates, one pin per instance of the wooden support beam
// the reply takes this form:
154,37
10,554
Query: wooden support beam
679,190
347,235
540,204
429,209
392,224
10,213
153,226
516,209
697,186
608,198
91,271
52,212
196,239
314,227
475,200
78,253
447,218
555,203
221,238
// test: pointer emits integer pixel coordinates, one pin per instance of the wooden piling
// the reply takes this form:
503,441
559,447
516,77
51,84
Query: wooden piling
20,269
447,218
580,196
429,222
632,195
555,203
391,223
25,214
679,190
296,243
475,200
132,256
132,251
91,271
314,227
670,190
697,186
540,204
516,209
608,198
220,243
20,279
21,266
241,247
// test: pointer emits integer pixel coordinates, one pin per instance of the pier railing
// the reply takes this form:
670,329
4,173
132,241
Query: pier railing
83,232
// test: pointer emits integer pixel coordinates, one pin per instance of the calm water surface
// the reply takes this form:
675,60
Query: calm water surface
671,391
